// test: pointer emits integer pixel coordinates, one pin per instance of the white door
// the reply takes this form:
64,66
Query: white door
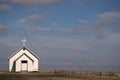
24,65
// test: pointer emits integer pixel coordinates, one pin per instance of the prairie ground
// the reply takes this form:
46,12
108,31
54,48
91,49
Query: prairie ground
60,75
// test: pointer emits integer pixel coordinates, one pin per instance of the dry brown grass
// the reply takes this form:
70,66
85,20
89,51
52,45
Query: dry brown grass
60,75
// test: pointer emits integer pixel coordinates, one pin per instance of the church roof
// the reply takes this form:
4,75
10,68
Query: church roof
24,48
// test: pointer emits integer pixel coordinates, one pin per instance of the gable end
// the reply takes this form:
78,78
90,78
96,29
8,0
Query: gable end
24,48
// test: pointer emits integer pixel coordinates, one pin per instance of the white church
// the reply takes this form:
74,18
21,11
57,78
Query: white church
23,60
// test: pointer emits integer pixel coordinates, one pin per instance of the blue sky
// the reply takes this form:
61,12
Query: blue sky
63,33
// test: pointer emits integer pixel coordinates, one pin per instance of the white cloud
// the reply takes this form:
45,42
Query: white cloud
2,28
67,43
106,23
32,19
108,18
66,30
110,14
9,42
82,20
4,8
55,24
81,48
101,27
34,2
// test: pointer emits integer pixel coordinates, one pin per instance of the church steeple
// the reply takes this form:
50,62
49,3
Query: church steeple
24,41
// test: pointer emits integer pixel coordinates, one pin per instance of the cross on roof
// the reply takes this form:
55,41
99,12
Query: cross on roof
24,41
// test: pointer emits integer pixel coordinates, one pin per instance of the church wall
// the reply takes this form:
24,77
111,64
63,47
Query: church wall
11,60
29,64
18,66
30,55
10,65
35,66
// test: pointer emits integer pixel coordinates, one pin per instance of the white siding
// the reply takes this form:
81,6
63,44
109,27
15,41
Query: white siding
29,63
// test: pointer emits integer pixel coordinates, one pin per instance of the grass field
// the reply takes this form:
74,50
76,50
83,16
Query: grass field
60,75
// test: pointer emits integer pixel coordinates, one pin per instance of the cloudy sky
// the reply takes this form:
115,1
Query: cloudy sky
65,34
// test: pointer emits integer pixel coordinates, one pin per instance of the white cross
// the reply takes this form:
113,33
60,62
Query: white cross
24,42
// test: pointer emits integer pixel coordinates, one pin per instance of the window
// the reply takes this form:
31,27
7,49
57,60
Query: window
24,61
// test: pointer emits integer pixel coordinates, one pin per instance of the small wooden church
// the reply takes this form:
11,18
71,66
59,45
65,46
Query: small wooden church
23,60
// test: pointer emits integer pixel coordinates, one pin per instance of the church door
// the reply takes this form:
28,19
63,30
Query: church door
24,65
